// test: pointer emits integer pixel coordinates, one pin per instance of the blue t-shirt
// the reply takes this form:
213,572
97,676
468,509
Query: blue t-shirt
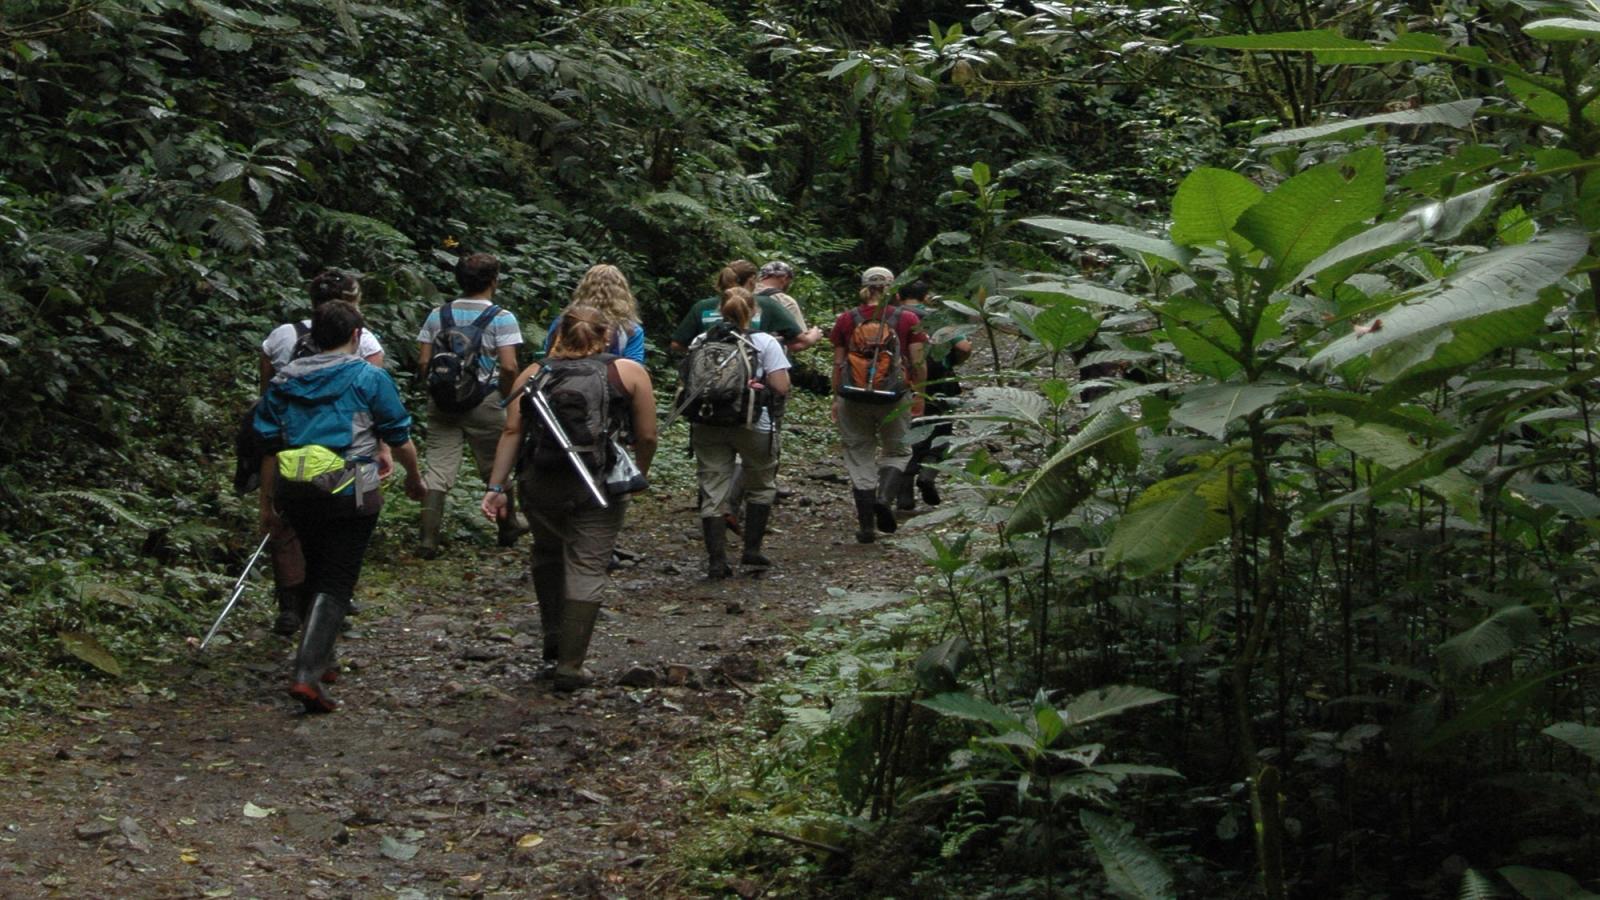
630,346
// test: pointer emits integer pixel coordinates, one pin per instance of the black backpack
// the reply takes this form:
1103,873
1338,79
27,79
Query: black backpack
714,378
456,383
578,392
304,344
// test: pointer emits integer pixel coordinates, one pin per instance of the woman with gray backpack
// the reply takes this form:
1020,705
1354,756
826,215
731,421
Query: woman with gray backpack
732,385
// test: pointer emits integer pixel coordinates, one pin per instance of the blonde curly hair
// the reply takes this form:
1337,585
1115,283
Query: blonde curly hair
605,288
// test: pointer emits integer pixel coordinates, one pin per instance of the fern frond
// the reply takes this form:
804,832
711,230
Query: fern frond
1132,868
1477,886
102,499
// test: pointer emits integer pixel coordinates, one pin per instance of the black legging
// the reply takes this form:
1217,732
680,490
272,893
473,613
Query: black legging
334,537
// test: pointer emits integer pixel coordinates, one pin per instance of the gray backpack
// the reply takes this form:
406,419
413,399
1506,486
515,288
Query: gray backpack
714,378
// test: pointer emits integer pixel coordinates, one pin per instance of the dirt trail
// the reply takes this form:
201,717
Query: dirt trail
449,769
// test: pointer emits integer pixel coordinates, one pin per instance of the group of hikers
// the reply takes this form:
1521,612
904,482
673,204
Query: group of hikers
577,431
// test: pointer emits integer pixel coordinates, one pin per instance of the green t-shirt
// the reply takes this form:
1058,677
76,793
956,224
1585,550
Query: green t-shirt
770,317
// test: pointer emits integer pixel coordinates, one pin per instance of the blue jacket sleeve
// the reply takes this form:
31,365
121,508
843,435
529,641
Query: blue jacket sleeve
266,424
388,412
634,349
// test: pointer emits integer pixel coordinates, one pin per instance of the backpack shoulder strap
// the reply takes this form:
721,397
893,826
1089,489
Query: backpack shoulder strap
447,318
301,329
485,317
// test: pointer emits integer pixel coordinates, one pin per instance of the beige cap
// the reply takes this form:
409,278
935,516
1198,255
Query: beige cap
877,276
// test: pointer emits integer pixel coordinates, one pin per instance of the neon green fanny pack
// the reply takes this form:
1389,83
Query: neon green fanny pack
318,466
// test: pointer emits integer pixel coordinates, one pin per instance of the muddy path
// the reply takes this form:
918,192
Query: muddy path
449,770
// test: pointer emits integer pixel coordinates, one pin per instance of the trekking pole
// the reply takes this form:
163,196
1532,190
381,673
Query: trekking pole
542,407
238,589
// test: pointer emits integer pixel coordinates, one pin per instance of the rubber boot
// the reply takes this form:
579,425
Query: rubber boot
291,610
864,516
906,498
432,519
509,527
888,489
930,491
550,586
316,653
716,538
577,627
756,517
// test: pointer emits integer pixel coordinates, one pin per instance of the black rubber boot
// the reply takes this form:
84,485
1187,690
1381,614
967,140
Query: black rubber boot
756,517
291,610
716,536
888,490
550,586
577,628
930,491
906,498
316,652
432,519
864,516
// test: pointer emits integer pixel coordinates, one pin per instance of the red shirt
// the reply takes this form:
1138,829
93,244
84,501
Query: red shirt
906,326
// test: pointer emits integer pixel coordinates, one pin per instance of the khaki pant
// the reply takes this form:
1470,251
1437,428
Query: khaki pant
717,451
450,433
571,534
868,429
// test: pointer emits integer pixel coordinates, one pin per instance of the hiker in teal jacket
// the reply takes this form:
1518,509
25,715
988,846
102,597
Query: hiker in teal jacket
320,422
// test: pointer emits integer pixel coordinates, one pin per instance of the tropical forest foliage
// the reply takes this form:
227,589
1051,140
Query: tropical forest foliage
1272,555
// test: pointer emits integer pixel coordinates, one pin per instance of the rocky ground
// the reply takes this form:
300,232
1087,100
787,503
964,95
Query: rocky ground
450,769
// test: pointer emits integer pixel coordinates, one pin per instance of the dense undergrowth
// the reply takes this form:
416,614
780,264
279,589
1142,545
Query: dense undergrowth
1269,557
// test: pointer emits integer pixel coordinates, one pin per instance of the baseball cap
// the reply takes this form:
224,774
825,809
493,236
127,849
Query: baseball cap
777,267
877,276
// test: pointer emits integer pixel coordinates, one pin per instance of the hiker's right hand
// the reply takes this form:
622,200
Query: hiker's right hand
270,520
833,410
493,505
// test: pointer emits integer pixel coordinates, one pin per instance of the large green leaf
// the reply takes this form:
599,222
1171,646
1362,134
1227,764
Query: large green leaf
1207,204
1331,48
1455,114
1583,738
1508,628
1060,327
1562,29
976,709
1310,212
1440,221
1074,290
1544,884
1132,869
1575,502
1057,487
1109,701
1171,520
1431,326
1209,408
1492,707
1124,239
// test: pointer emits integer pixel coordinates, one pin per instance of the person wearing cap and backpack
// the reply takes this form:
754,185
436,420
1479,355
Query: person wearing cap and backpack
878,374
948,347
468,357
600,403
284,344
732,385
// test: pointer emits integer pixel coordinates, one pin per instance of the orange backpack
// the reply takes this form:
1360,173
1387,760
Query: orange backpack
874,369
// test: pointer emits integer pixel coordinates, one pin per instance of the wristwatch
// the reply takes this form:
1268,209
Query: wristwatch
497,489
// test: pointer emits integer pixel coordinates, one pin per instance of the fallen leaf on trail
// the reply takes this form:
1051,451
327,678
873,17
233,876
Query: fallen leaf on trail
396,850
592,796
189,856
220,892
530,840
185,821
90,651
257,812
